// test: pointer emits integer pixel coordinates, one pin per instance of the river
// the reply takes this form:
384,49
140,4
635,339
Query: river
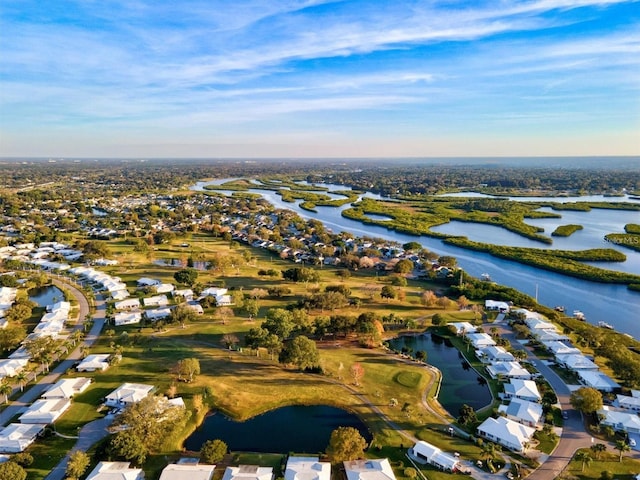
614,304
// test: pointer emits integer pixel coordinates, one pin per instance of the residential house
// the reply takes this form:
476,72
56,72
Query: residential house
220,294
576,362
248,472
560,348
538,325
522,389
628,403
494,354
147,282
45,410
127,394
156,314
67,388
187,471
156,301
506,432
463,328
424,452
95,362
480,340
10,367
115,471
16,437
497,306
307,468
164,288
508,370
369,469
126,318
597,380
522,411
619,420
196,307
185,293
128,304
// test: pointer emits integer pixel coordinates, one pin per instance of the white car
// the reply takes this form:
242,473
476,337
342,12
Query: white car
632,442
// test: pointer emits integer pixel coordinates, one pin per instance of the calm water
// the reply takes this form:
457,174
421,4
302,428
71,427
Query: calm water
44,296
460,383
614,304
300,429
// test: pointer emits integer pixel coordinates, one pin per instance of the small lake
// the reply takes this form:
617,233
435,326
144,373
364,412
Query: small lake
461,384
300,429
44,296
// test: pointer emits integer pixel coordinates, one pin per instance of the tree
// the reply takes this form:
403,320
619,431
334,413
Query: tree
403,267
346,444
224,313
584,457
412,246
251,307
302,352
467,415
5,389
428,298
11,336
12,471
623,447
229,340
188,276
357,372
187,368
182,314
463,302
127,446
388,292
586,399
213,451
78,463
421,355
598,449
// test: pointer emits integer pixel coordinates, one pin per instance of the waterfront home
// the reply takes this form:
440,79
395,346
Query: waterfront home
424,452
560,348
187,471
16,437
597,380
307,468
506,432
60,307
128,304
480,340
522,411
629,402
127,394
576,362
619,420
523,389
508,370
537,325
497,306
369,469
157,314
248,472
156,301
67,388
95,362
126,318
115,471
494,354
45,410
549,336
463,328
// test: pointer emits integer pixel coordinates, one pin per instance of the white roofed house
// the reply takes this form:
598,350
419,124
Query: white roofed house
185,293
597,380
508,370
307,468
522,411
164,288
16,437
156,301
619,420
156,314
628,403
523,389
187,471
10,367
95,362
45,410
424,452
480,340
128,304
509,434
370,469
560,348
115,471
220,294
126,318
462,328
495,305
67,388
494,354
147,282
128,393
248,472
576,362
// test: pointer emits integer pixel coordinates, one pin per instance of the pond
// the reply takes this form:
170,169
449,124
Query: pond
300,429
44,296
461,384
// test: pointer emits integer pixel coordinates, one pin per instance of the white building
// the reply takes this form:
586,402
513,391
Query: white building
115,471
128,393
156,301
576,362
373,469
126,318
494,354
480,340
628,403
560,348
10,367
597,380
248,472
523,389
424,452
164,288
187,471
462,328
185,293
16,437
522,411
509,434
148,282
619,420
128,304
45,411
307,468
67,388
498,306
508,370
93,363
156,314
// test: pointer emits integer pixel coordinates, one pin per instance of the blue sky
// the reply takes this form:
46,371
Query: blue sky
305,78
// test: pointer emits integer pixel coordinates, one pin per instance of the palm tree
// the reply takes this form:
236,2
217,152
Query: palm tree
5,389
623,447
584,457
597,449
21,378
489,450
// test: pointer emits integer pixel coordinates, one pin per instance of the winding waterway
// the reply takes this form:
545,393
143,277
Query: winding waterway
614,304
